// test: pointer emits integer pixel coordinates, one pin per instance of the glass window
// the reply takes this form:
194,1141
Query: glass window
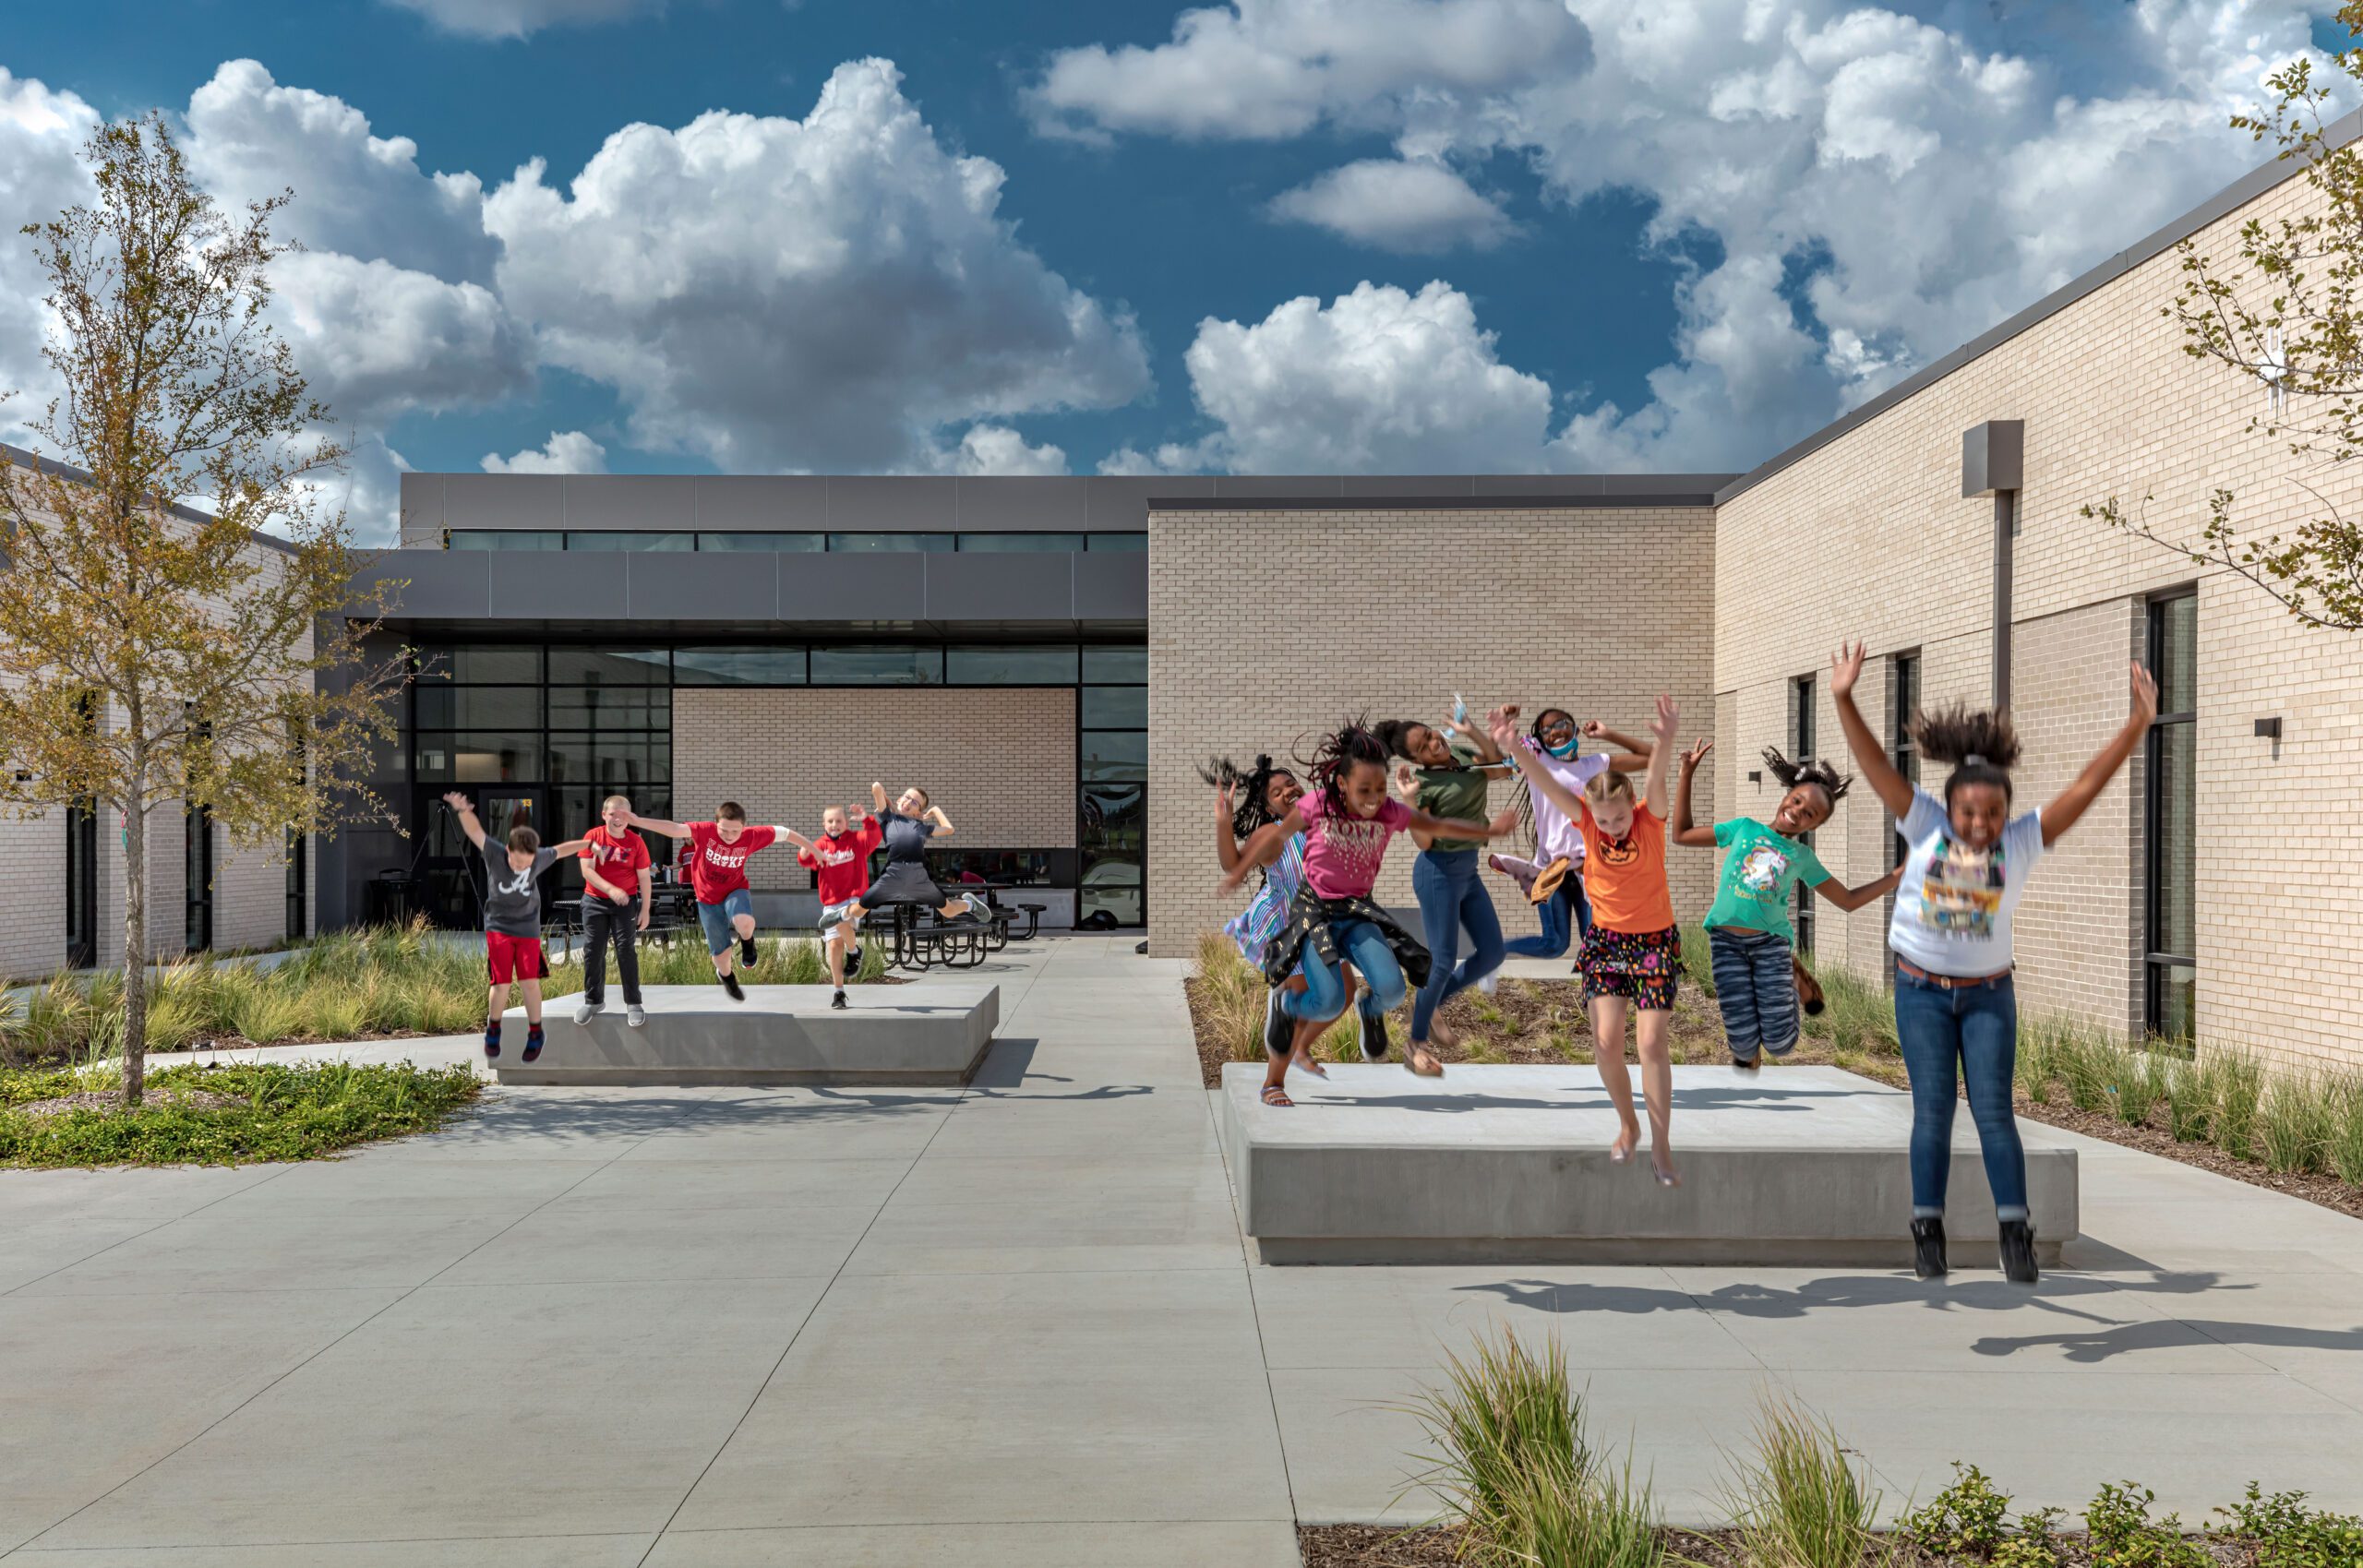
477,759
479,707
474,663
2174,1003
1115,664
1011,666
1112,814
877,666
1134,543
611,708
738,666
782,544
1114,754
2178,839
2170,823
503,539
1115,707
890,543
609,666
2178,655
977,544
616,539
612,761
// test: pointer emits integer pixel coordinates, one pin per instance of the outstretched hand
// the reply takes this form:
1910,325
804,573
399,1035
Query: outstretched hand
1699,750
1406,784
1503,724
1667,720
1845,669
1223,795
2145,696
458,801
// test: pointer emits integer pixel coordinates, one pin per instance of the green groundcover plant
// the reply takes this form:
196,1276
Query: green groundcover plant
231,1115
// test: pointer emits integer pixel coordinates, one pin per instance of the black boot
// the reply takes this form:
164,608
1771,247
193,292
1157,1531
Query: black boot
2017,1253
1928,1246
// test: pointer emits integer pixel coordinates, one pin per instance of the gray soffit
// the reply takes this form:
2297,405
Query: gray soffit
34,461
2232,198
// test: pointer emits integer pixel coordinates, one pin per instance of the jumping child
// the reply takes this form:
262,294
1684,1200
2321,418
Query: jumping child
1347,821
1450,780
512,922
1553,880
1966,861
718,852
905,828
1748,936
1634,953
840,856
617,879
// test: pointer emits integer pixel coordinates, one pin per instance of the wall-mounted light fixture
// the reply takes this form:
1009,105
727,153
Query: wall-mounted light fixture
1754,776
2268,729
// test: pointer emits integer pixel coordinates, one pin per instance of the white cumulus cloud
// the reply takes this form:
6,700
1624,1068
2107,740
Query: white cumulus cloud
519,19
827,293
567,451
996,448
1397,204
40,175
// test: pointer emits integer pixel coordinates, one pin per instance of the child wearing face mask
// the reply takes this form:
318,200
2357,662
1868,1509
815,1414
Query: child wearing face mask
1966,861
1749,935
1553,880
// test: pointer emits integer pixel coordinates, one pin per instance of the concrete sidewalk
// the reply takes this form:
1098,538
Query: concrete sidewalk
1014,1324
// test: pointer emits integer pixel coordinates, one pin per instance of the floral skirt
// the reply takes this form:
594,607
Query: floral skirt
1641,966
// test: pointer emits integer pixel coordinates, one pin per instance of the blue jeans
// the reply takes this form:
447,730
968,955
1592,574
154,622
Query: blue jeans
1362,945
1966,1034
1756,990
1566,918
1452,897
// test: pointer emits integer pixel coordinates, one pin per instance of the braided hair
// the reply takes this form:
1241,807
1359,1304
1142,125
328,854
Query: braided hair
1253,786
1525,801
1822,775
1337,755
1979,742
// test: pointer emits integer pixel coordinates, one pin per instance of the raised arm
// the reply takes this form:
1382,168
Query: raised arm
1680,827
1595,730
1262,847
1663,727
942,823
1539,777
464,809
2077,798
571,847
877,801
656,825
790,835
1225,843
1851,898
1892,788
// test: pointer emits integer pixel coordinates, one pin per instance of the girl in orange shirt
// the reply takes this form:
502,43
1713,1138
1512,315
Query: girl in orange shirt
1633,953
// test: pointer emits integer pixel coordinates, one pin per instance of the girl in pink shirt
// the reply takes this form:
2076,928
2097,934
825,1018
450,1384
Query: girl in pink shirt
1347,818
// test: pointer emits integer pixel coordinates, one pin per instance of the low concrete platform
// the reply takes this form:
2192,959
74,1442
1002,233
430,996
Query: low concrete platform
1803,1165
929,1031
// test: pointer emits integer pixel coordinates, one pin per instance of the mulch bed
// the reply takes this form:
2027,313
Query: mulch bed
1383,1546
2328,1190
110,1101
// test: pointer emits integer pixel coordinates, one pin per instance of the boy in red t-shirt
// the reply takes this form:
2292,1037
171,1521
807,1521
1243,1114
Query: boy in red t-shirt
717,859
616,874
840,856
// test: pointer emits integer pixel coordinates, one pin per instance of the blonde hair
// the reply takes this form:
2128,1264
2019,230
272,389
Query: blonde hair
1607,784
622,801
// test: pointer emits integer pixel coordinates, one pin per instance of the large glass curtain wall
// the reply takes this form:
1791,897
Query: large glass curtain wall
545,539
540,734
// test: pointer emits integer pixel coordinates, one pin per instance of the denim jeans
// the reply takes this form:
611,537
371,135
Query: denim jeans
1965,1033
1756,990
1451,897
1566,918
1362,945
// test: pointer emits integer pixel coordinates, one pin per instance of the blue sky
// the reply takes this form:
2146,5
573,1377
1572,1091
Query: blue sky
1278,235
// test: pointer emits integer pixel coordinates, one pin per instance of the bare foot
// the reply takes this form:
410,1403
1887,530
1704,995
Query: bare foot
1422,1061
1626,1142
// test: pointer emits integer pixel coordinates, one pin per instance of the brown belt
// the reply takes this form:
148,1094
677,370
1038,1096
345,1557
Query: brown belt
1948,982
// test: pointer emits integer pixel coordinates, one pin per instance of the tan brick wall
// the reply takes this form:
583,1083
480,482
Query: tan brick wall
1000,762
1268,626
1870,537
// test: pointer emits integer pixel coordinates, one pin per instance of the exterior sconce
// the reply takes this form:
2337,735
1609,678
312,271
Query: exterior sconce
2268,729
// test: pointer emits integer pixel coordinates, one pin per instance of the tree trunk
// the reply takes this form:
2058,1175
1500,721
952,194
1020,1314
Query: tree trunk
135,942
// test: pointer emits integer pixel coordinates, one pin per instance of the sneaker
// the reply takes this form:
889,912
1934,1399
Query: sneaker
1928,1246
746,953
730,984
588,1010
837,1001
534,1043
1374,1035
853,960
1518,872
1491,983
492,1037
1277,1032
1747,1063
635,1015
978,907
2017,1253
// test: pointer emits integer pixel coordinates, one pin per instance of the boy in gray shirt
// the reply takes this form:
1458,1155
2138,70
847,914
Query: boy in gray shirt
512,921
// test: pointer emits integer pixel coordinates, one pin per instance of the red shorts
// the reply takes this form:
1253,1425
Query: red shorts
514,958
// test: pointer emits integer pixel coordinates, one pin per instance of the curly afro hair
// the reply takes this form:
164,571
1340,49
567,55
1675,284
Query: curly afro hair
1979,742
1821,774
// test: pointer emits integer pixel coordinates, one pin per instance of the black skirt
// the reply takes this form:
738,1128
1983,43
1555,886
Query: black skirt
1310,919
904,882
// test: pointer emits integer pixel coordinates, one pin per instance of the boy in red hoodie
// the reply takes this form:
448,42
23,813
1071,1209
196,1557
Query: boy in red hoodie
841,854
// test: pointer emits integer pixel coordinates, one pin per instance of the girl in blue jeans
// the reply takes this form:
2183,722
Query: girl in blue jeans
1449,781
1966,861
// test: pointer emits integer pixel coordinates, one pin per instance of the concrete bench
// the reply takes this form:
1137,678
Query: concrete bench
1803,1166
929,1031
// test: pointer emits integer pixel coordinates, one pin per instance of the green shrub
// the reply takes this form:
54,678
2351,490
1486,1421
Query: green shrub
2032,1547
2139,1078
2295,1125
1967,1517
1697,960
2282,1532
2037,1062
1803,1502
1504,1425
1857,1015
2122,1534
1230,996
803,965
2190,1102
2238,1079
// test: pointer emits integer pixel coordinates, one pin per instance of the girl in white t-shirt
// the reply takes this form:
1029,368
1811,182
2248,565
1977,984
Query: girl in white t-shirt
1966,861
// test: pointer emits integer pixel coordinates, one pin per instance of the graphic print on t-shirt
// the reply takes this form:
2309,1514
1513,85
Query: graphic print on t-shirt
1761,869
1962,891
1619,851
1354,846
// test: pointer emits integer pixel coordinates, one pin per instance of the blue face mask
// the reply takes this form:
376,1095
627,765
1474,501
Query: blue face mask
1565,751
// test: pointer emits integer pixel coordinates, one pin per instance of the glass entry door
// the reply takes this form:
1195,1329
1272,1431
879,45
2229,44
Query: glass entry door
447,863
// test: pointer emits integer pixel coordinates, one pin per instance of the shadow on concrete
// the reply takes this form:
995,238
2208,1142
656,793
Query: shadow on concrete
1701,1100
2100,1344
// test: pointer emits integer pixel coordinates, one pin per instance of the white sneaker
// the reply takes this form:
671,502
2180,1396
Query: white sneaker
636,1015
978,907
584,1013
1491,980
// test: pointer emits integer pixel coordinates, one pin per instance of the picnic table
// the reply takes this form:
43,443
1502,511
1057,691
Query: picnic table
920,939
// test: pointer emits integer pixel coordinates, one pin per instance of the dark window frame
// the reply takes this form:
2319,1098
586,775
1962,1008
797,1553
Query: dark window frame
2156,963
1804,690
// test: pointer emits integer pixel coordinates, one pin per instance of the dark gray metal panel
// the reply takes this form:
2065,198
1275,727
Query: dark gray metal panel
760,503
422,508
1121,501
663,586
1993,457
1382,486
537,585
1538,484
1281,487
852,588
1021,587
1111,585
887,504
1023,504
440,582
663,503
503,500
